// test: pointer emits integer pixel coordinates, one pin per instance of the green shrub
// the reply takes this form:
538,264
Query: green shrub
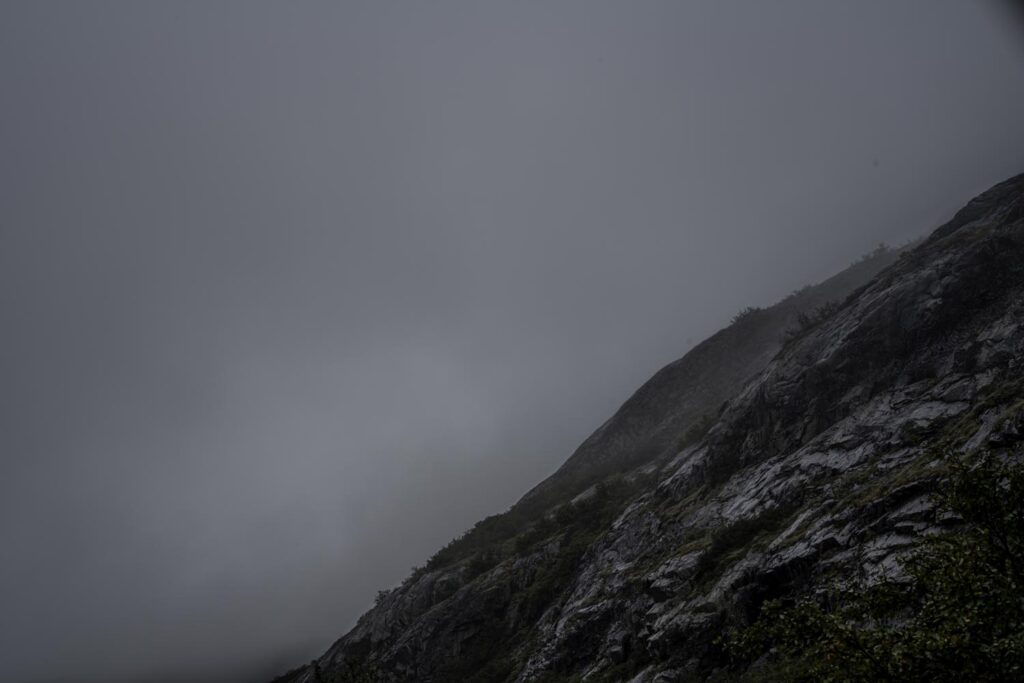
957,614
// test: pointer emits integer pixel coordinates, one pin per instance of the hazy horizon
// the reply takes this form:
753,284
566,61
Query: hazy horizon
293,294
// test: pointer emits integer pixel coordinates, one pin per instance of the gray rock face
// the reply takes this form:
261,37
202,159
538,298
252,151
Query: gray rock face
819,466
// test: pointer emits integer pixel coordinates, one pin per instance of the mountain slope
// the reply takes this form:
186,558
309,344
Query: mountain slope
690,391
820,464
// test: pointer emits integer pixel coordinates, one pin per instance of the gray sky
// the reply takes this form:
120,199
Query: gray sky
290,294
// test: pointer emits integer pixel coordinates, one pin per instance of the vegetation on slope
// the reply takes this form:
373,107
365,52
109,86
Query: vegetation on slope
576,526
955,612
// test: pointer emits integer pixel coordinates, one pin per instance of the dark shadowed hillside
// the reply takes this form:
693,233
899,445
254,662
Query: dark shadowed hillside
799,446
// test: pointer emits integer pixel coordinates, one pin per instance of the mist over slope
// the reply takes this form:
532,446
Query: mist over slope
688,392
819,463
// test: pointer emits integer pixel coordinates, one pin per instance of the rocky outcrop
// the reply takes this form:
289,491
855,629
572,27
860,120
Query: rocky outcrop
818,466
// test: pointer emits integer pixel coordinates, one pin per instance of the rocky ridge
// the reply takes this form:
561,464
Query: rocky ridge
817,466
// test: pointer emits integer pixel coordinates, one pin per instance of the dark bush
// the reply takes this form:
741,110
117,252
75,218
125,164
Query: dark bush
957,614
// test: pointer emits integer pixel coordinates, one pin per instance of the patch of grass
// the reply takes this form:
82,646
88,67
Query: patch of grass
735,540
871,483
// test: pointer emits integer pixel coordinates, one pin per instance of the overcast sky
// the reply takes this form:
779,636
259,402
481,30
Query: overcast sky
291,294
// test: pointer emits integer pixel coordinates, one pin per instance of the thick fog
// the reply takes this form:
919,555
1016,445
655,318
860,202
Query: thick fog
292,293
